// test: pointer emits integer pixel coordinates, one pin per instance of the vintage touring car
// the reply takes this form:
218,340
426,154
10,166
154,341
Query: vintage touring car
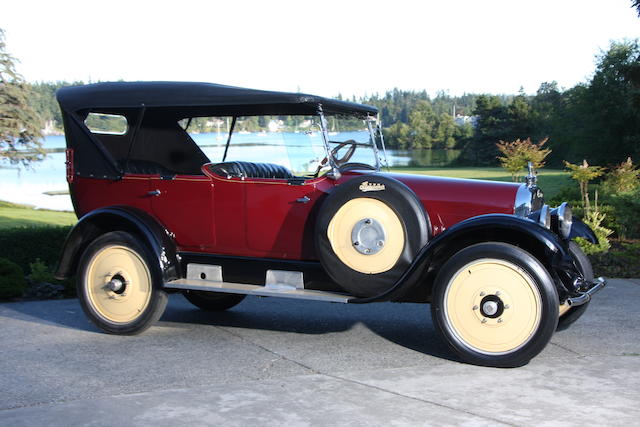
220,192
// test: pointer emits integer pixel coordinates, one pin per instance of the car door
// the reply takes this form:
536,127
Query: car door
279,216
183,204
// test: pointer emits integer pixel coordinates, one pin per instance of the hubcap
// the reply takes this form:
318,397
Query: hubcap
368,236
492,306
118,284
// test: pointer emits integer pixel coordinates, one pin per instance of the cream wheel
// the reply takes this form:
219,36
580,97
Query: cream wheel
118,286
495,304
366,235
118,283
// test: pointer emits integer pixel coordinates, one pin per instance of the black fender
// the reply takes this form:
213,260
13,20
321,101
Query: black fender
580,229
119,218
541,242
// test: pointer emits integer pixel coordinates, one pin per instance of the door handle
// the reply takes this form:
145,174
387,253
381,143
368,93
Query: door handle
304,199
154,193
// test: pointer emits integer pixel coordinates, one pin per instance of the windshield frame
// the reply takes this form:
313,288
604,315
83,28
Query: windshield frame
370,120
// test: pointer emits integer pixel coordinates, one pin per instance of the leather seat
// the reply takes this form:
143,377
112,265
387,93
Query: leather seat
144,167
251,170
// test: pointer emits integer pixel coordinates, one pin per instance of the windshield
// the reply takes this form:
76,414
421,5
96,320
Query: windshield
354,141
296,142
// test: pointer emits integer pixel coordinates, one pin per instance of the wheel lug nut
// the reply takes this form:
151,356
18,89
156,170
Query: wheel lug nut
367,221
482,294
500,320
497,293
475,307
380,243
506,306
356,243
483,320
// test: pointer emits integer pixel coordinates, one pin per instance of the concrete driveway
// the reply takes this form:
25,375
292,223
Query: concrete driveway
275,362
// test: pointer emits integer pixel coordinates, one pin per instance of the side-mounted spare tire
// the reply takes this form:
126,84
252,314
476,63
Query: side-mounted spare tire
368,231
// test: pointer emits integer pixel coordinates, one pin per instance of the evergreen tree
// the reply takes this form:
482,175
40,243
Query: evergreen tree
20,135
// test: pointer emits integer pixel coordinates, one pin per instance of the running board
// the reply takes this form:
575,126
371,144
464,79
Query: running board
263,291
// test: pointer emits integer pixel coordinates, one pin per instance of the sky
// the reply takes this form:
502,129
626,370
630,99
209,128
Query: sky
322,47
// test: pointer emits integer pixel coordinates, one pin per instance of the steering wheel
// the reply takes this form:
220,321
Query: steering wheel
341,160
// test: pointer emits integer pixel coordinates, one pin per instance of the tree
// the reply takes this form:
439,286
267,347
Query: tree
636,4
583,174
422,120
20,135
517,154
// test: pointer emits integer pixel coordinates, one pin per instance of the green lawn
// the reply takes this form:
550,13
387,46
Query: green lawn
551,181
13,215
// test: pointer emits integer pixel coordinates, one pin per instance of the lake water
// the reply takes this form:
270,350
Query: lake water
28,186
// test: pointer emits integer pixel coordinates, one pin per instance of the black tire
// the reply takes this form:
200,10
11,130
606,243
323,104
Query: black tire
117,257
526,304
213,301
410,221
584,266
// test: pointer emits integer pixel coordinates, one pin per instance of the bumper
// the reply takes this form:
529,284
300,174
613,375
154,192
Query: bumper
587,291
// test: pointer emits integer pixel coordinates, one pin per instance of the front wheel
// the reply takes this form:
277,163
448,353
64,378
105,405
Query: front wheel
495,305
119,285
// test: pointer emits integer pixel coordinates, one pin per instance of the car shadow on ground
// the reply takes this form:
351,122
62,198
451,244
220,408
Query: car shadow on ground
407,325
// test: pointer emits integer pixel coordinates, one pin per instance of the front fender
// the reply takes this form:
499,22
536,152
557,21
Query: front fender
542,243
580,229
119,218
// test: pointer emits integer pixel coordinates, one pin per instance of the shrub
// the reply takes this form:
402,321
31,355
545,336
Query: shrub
23,245
627,207
623,178
42,284
12,283
40,272
594,220
620,261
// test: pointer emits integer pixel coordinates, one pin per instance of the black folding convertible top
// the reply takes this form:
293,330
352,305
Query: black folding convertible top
214,98
154,139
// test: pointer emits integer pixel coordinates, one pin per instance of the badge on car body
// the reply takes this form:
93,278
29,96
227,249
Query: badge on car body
371,186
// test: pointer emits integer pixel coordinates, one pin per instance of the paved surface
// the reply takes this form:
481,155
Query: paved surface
276,362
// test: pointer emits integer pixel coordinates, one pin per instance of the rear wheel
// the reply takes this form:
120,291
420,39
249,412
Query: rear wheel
568,315
495,305
213,301
119,286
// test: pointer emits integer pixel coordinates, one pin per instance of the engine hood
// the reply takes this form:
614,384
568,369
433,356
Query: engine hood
451,200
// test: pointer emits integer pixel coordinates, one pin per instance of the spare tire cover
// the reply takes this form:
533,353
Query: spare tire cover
368,231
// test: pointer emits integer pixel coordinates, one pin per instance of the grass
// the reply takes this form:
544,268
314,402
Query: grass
14,215
551,181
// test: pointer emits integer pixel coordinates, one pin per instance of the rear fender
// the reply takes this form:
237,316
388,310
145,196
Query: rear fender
119,218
